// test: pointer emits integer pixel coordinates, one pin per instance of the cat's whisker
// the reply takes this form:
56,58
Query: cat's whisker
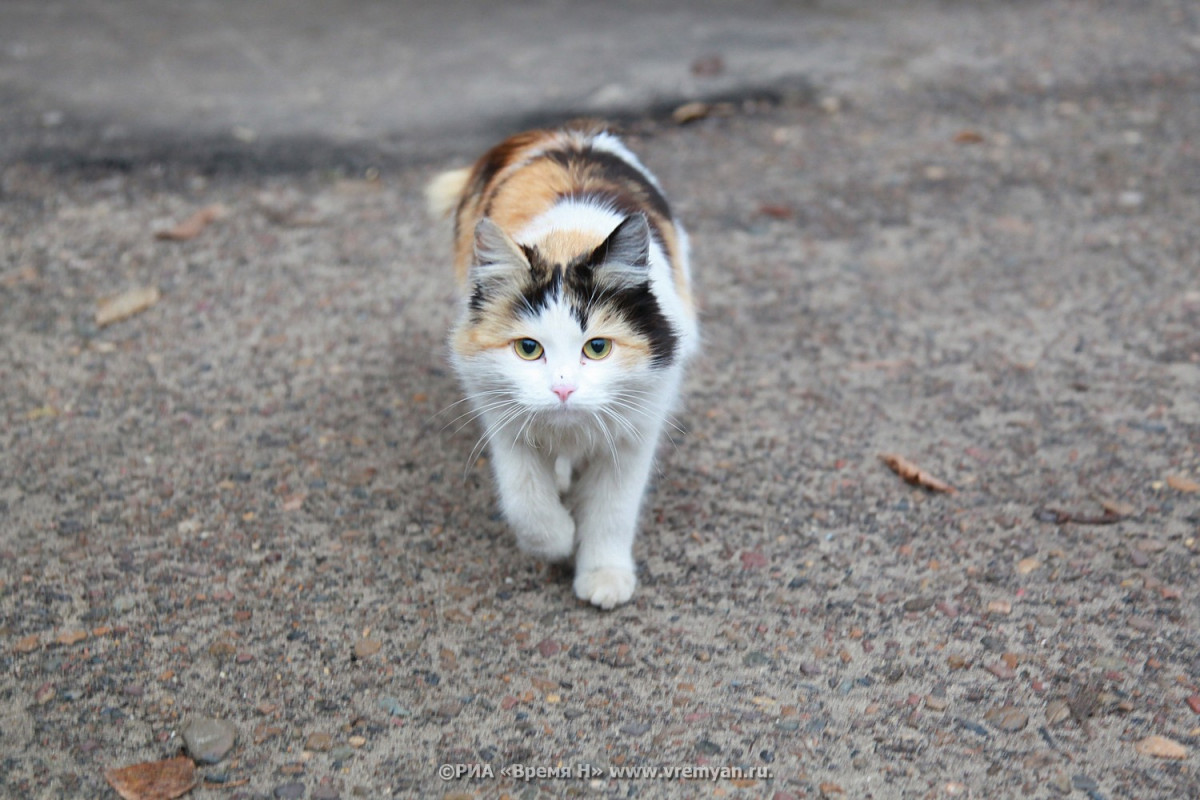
488,435
468,399
476,413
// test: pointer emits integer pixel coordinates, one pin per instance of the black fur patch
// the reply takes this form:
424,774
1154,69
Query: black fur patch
576,281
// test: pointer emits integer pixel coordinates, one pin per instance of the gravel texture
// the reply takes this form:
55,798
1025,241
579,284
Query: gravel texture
249,501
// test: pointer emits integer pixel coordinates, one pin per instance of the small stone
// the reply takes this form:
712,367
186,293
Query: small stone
548,647
1007,718
934,703
44,694
318,742
918,604
208,740
829,789
635,728
357,741
756,658
392,706
341,753
1027,565
1193,702
954,788
999,607
365,648
221,650
973,727
1002,671
1130,200
289,791
325,792
1060,783
1161,747
956,661
1084,783
1138,558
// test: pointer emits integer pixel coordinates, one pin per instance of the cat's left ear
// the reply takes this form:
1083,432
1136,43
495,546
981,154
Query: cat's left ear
497,256
624,258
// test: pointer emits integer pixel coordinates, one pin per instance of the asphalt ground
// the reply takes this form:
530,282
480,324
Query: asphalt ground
250,500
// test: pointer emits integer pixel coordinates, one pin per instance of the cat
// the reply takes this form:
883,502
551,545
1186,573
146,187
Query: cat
576,323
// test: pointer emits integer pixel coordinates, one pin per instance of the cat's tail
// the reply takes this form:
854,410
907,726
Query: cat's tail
444,192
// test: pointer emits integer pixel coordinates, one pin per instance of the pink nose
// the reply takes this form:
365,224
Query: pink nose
563,391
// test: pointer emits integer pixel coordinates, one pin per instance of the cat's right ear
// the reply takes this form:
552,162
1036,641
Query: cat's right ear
497,256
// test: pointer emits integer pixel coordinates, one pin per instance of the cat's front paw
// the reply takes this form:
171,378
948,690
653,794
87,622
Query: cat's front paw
551,539
607,587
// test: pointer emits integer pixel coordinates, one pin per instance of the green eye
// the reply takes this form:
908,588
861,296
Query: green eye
597,349
528,349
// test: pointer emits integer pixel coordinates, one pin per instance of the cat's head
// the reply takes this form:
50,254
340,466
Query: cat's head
563,337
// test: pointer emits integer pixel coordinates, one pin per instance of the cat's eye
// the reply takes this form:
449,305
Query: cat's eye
597,349
528,349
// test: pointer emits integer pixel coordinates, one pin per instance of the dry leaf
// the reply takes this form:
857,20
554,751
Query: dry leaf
194,225
154,780
1060,517
914,474
28,644
1117,507
968,137
71,637
690,112
1182,484
1027,565
776,211
127,304
1161,747
294,502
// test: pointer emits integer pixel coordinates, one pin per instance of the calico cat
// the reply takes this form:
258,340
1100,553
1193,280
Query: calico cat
576,323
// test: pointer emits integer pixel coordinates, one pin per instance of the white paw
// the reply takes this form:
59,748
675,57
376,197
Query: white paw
549,540
607,587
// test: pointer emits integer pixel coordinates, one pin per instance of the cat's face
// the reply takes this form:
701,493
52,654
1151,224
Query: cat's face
565,342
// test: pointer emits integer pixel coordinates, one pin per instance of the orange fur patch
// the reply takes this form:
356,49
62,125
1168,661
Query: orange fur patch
521,178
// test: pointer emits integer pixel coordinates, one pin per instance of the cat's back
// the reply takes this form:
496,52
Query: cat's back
562,191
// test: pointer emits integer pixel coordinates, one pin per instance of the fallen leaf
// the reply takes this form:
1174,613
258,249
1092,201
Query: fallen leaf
968,137
71,637
1027,565
1060,517
776,211
294,502
194,225
28,644
1117,507
154,780
913,474
1182,484
126,304
690,112
1161,747
41,412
